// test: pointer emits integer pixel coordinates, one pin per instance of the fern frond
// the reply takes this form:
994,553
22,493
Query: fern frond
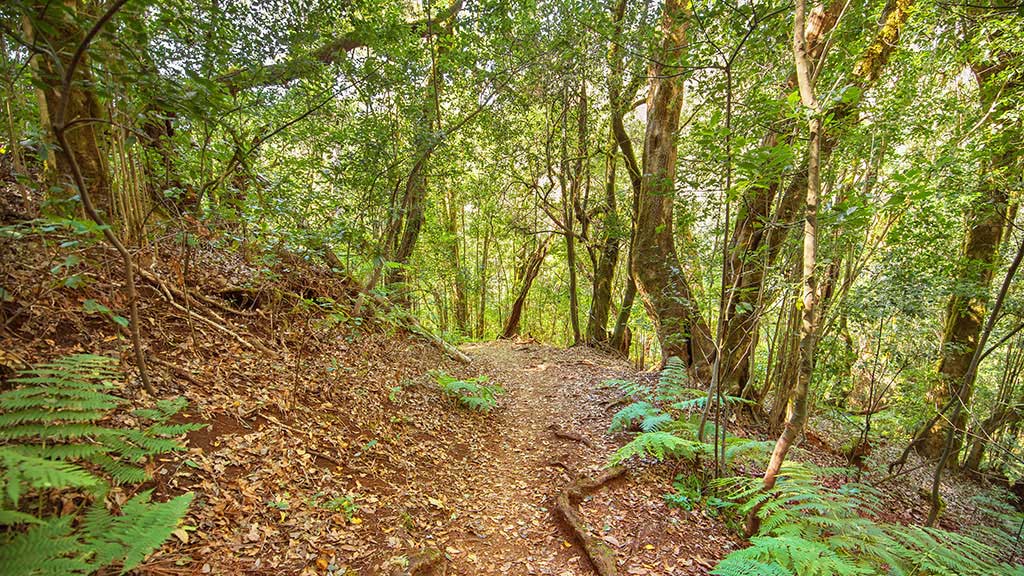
737,447
809,529
40,473
654,422
625,418
13,518
659,445
474,394
141,528
120,472
735,565
49,416
55,417
174,429
49,549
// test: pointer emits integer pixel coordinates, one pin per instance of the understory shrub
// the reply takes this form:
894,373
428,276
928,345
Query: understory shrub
808,529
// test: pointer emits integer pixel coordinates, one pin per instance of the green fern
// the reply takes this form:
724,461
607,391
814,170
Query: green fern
628,417
21,471
475,394
47,550
56,411
672,380
701,400
808,529
54,436
630,388
128,538
659,445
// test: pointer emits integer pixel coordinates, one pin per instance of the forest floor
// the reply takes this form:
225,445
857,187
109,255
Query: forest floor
329,447
436,479
506,525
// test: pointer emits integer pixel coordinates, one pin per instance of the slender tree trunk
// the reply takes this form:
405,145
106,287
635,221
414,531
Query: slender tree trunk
1003,417
570,257
797,409
13,134
530,270
570,204
760,233
481,318
1006,413
461,304
604,274
410,216
619,98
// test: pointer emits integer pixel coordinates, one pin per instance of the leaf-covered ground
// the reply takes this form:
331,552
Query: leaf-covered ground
370,466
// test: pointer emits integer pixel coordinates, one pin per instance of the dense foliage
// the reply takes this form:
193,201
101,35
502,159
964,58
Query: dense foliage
812,208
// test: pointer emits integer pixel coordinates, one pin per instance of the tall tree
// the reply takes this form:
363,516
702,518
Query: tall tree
810,316
56,29
967,306
661,280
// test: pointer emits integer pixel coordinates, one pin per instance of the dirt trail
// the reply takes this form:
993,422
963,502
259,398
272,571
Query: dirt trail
505,524
368,423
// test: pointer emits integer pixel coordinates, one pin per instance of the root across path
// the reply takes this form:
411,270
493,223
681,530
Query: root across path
544,500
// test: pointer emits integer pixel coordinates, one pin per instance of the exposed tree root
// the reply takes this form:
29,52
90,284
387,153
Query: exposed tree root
560,464
566,504
566,435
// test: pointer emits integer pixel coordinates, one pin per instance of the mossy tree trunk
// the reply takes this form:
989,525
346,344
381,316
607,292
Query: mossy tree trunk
58,28
661,280
966,311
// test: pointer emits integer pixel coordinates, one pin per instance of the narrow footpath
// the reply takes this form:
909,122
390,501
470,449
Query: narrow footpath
550,430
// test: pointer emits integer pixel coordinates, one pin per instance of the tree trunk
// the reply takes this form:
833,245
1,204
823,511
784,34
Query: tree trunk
966,310
661,280
461,304
604,274
530,270
618,99
1006,412
570,203
62,19
797,409
759,233
410,216
481,318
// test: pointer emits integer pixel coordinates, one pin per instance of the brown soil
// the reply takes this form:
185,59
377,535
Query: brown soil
478,487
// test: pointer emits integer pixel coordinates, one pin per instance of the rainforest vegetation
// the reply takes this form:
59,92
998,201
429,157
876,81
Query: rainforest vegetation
770,249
